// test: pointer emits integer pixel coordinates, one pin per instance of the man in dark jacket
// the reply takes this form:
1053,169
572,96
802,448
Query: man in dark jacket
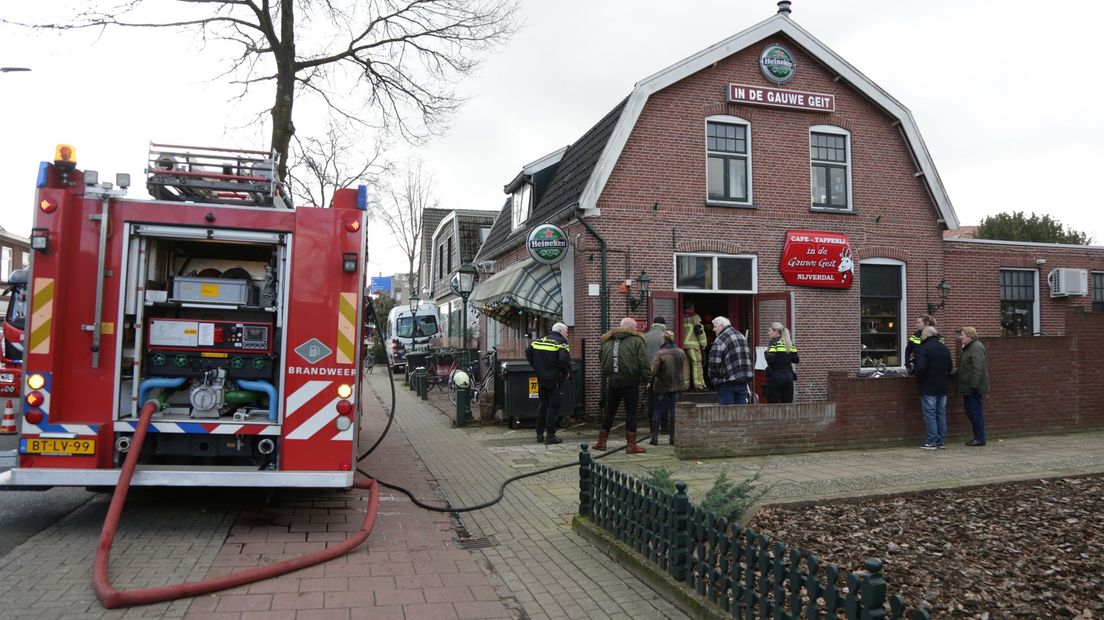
624,358
550,358
932,367
973,381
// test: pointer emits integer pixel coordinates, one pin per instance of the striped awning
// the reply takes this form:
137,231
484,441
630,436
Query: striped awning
527,285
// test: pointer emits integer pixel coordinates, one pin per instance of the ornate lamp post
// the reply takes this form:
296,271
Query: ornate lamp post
465,283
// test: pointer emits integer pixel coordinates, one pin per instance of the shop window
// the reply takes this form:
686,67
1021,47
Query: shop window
830,154
1098,292
881,282
519,205
720,273
1019,299
728,167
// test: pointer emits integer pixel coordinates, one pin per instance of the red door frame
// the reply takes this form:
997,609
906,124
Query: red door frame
755,338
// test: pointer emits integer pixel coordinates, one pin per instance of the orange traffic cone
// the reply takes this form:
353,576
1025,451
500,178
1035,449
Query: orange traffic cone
7,425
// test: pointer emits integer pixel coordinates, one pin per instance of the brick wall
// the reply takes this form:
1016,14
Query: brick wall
1038,385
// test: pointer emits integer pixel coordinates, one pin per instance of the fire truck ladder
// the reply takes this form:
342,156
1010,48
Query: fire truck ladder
214,175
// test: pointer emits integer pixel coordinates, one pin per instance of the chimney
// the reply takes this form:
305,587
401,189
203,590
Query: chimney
784,7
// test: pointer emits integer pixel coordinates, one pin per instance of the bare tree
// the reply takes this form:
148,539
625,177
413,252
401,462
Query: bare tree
321,165
402,210
387,64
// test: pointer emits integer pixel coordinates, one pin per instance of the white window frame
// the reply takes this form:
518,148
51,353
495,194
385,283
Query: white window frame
728,120
906,321
1036,320
839,131
716,279
521,205
8,256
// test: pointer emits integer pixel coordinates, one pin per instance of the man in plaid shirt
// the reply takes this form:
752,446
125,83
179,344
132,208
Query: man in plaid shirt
730,366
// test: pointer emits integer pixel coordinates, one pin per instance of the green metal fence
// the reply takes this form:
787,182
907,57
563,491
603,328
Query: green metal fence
742,573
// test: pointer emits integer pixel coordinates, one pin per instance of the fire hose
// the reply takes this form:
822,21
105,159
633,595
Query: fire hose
112,598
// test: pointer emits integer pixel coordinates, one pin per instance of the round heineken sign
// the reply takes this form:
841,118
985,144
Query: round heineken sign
548,244
777,64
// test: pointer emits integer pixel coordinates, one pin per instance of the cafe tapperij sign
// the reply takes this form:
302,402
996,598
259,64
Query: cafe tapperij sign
817,259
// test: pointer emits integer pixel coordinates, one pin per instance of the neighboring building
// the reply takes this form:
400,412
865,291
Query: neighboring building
15,253
431,219
763,179
400,285
454,241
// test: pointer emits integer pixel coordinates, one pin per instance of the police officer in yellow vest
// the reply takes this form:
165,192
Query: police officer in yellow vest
550,358
694,343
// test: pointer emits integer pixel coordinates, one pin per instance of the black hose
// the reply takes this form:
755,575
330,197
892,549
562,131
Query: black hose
445,509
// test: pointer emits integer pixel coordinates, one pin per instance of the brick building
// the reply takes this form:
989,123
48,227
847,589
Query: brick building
763,179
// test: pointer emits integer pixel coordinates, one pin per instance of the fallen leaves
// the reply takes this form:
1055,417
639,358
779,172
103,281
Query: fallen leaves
1020,550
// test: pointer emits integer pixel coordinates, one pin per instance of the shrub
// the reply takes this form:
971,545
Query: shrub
732,500
660,478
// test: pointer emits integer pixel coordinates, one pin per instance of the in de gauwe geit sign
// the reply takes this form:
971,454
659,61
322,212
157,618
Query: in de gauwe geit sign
779,98
815,258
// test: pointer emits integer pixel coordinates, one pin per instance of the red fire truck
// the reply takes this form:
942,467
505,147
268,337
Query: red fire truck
239,316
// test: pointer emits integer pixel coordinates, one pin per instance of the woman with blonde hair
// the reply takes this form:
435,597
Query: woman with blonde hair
781,356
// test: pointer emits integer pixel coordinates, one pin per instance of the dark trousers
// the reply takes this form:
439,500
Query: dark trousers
631,395
973,405
548,414
778,392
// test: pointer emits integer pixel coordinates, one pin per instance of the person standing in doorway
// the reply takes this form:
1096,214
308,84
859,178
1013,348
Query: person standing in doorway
932,368
670,375
550,358
654,339
914,340
781,356
694,342
973,381
730,367
624,358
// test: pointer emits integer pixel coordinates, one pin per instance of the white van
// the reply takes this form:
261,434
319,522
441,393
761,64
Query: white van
407,335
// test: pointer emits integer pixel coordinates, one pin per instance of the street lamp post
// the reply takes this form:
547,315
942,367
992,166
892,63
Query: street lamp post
465,283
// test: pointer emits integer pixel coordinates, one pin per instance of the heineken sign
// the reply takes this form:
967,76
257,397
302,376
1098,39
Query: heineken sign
548,244
777,64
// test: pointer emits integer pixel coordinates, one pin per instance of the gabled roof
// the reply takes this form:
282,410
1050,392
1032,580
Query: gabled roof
574,168
779,23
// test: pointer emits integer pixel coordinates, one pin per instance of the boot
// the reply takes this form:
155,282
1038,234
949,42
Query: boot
601,443
632,448
655,433
552,440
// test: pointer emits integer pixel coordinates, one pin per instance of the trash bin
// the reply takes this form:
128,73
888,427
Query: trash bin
521,400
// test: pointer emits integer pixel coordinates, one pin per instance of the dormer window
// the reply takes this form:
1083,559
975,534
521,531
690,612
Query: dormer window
520,206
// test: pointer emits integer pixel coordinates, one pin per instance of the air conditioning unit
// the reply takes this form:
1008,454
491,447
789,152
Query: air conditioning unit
1066,282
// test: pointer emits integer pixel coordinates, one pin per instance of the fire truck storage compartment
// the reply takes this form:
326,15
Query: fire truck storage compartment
208,349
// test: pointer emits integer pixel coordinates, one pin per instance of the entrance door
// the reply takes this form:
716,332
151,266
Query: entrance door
769,308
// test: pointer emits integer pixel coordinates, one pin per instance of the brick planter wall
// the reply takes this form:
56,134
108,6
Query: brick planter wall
1038,385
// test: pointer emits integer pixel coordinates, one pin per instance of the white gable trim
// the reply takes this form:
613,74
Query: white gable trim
777,23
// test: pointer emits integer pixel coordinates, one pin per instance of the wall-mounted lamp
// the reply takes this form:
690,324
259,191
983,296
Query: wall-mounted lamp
645,282
943,287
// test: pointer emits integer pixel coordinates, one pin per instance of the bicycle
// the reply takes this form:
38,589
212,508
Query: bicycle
438,372
472,370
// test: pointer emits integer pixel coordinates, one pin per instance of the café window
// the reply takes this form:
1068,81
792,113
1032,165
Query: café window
830,155
728,155
720,273
1019,302
1098,292
881,303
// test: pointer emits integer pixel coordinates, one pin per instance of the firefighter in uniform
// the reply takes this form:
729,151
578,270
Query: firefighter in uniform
550,358
694,342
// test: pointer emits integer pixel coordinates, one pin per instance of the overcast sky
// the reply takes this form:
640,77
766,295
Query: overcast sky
1002,92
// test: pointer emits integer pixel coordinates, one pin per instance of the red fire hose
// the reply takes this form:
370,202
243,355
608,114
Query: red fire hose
112,598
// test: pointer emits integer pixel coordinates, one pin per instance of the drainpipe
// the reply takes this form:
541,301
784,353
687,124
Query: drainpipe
603,293
603,297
